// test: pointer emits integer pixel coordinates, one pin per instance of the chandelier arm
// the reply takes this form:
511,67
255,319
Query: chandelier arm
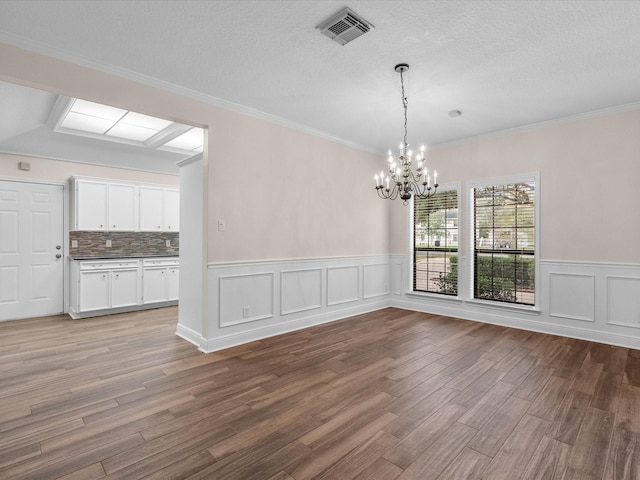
402,180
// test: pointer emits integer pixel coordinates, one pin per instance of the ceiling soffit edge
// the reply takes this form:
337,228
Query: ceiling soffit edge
60,54
43,49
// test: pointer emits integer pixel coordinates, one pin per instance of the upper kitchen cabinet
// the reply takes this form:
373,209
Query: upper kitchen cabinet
159,209
103,206
89,201
122,207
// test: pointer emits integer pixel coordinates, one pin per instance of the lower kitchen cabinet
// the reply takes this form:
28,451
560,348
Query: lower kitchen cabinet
94,290
117,285
160,280
124,288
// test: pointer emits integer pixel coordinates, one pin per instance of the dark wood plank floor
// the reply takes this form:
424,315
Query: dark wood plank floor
387,395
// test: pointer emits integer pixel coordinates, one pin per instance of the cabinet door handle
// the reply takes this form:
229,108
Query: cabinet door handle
104,276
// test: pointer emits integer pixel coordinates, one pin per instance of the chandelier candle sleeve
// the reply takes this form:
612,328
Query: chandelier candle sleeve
407,181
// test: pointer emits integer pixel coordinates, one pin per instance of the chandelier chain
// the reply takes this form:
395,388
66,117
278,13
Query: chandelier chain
405,104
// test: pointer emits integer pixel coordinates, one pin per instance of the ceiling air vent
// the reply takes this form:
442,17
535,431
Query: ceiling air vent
344,26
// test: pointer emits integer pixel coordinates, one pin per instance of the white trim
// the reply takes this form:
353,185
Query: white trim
625,107
255,318
447,187
302,309
609,321
266,331
97,164
189,335
255,263
112,311
61,54
591,264
504,180
532,325
44,49
358,284
592,318
187,161
36,181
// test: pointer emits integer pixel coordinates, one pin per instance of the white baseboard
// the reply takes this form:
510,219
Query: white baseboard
248,301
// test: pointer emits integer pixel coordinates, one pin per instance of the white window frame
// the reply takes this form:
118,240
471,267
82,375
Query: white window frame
482,183
461,237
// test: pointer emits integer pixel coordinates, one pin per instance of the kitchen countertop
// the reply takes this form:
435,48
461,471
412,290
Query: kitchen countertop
117,257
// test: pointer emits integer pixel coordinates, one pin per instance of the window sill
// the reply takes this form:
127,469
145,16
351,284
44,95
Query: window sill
433,296
504,306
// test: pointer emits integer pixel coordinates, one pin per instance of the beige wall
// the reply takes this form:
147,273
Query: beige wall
285,194
589,173
59,171
282,193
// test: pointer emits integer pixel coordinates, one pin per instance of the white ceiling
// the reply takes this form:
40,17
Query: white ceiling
504,64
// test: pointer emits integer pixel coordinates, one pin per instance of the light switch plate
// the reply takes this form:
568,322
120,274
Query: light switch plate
109,243
74,243
167,243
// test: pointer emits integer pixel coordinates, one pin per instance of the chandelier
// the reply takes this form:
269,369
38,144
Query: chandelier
402,180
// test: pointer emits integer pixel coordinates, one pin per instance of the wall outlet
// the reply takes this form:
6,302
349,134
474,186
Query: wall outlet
167,243
245,312
74,243
109,243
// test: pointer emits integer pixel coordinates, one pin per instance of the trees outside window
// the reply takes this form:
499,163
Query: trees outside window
435,241
504,243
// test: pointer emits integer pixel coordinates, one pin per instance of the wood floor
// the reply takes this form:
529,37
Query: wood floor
387,395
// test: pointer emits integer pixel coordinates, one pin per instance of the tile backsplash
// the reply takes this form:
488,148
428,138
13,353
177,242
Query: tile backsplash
126,244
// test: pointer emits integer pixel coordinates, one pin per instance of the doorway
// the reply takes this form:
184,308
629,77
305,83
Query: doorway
31,249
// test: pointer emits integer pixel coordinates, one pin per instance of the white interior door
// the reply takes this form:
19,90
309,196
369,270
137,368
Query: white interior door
31,251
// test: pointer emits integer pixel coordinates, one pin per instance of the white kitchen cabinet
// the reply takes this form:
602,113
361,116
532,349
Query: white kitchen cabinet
121,207
90,202
159,209
174,283
154,285
94,290
151,209
103,286
124,288
103,205
160,278
172,210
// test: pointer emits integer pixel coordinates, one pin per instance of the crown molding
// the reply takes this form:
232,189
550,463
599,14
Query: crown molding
64,55
540,125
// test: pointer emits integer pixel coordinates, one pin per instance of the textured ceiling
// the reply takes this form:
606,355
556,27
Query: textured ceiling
504,64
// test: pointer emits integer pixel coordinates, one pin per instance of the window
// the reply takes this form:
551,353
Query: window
435,243
504,242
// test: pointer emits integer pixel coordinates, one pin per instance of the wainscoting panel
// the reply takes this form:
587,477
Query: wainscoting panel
376,280
253,300
396,277
572,296
300,290
343,284
587,300
623,301
245,298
